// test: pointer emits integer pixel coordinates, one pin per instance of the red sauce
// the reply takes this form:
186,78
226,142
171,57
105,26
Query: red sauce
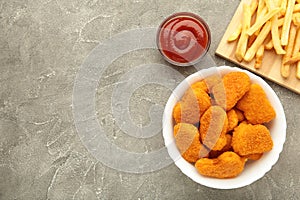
183,38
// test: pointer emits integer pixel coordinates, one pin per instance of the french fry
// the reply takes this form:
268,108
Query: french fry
295,53
238,30
260,6
296,19
242,43
289,47
297,43
276,3
258,42
280,22
235,34
253,6
283,6
296,7
275,36
268,4
262,21
292,60
298,70
268,42
269,45
287,22
259,57
260,14
275,24
285,68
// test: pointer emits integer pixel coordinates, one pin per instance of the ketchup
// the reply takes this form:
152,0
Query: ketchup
183,38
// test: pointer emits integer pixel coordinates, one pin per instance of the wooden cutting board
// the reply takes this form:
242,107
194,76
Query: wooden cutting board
271,64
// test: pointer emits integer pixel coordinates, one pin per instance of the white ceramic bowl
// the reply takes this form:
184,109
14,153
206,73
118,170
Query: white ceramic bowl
254,170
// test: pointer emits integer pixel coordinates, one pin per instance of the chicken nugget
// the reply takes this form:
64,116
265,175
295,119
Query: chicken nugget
199,97
232,88
186,112
251,139
256,106
227,147
213,127
193,104
188,142
200,85
244,122
212,80
239,114
232,119
227,165
177,112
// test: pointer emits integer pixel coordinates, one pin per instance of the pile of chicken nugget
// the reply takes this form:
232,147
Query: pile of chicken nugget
220,124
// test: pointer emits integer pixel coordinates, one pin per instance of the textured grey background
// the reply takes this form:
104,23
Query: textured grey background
42,45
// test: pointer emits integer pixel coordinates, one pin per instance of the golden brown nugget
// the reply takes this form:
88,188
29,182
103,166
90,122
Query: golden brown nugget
227,147
232,119
239,114
213,127
251,139
212,80
231,90
193,104
188,142
256,106
227,165
220,143
244,122
201,97
200,85
177,112
186,113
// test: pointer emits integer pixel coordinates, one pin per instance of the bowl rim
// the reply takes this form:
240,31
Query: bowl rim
278,125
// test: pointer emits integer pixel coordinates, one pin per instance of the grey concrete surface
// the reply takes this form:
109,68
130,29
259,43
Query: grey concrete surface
42,46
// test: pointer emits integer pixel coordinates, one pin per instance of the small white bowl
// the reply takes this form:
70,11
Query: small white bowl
254,170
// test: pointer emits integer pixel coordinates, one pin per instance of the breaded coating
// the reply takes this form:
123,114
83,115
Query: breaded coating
177,112
219,144
256,106
227,147
244,122
199,96
251,139
193,104
188,142
200,85
231,90
255,156
213,127
232,119
239,114
227,165
213,80
183,112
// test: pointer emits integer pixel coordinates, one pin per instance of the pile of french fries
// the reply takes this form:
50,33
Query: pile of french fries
270,25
